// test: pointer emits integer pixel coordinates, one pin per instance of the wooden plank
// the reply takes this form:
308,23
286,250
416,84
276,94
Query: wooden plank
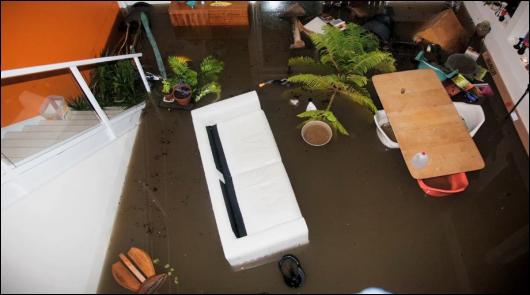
124,277
424,119
142,260
130,266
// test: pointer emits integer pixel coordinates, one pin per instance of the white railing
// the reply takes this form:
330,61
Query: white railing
21,178
73,66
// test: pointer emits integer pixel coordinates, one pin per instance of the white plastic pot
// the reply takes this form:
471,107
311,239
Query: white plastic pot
380,119
473,117
316,126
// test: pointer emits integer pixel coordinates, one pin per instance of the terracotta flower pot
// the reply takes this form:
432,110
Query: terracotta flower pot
182,94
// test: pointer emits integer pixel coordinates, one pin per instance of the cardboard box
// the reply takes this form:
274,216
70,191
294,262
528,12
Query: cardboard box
445,30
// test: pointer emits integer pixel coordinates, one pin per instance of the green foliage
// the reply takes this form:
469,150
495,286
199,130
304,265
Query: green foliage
211,68
326,116
311,81
113,84
79,103
179,66
350,58
166,86
202,83
212,87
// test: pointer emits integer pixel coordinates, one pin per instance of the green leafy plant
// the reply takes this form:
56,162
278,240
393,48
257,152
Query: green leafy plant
79,103
113,84
346,61
202,83
321,115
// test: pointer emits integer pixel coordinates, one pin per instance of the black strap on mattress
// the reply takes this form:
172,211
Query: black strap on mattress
229,194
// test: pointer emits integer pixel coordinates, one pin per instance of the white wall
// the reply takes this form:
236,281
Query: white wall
500,43
55,239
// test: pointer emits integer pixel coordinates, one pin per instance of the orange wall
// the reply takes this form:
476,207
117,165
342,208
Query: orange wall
44,32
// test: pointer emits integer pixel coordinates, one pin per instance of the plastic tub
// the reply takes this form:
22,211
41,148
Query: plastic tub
473,116
443,186
380,119
316,133
423,64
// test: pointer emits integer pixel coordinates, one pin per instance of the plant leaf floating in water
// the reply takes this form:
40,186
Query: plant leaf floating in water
166,266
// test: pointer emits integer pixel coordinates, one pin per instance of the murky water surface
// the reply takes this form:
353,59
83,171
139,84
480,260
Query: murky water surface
370,225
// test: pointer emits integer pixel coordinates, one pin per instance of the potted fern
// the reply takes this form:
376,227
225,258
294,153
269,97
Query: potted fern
188,85
346,61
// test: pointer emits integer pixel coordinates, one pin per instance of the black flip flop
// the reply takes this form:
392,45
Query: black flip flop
293,274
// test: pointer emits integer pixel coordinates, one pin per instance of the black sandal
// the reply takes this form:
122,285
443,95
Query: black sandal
292,271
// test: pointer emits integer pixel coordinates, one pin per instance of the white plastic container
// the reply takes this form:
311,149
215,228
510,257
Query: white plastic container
473,116
380,119
54,107
420,160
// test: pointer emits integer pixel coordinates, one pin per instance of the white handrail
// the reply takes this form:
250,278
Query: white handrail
7,166
64,65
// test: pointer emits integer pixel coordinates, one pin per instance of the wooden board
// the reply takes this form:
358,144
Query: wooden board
235,14
424,119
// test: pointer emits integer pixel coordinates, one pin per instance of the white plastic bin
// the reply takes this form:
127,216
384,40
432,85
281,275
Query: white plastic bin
380,118
473,117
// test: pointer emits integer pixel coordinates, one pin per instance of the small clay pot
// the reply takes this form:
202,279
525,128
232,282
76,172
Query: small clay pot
182,94
317,133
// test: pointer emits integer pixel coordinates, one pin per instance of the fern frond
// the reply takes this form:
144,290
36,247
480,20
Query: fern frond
301,61
363,63
357,79
387,65
359,98
370,41
318,82
311,114
326,116
334,122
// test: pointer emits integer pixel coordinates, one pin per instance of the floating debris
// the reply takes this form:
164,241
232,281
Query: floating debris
156,260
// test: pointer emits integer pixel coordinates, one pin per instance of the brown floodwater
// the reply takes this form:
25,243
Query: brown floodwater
370,225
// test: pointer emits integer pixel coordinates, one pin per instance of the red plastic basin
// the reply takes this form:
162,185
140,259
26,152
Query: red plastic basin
443,186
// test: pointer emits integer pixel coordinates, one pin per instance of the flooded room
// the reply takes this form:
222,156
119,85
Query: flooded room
361,147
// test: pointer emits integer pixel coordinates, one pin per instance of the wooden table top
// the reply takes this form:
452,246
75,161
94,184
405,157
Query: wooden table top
424,119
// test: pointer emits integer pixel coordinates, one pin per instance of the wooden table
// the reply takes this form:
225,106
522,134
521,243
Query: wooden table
235,14
424,119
